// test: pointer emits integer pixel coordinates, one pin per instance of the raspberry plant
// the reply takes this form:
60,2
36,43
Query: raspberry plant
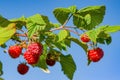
55,38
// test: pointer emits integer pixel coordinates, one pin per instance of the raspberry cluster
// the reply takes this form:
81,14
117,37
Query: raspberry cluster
33,53
94,54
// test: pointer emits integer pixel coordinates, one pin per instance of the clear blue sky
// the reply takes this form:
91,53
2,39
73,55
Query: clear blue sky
107,69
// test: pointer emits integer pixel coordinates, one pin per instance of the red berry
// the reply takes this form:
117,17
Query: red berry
85,38
50,62
35,48
95,54
30,58
22,68
15,51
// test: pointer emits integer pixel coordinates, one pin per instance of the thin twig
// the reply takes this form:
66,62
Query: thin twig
56,29
71,30
23,35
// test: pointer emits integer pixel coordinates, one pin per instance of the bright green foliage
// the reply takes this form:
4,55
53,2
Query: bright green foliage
3,21
68,65
55,25
72,9
37,23
60,45
62,35
92,35
77,41
7,32
89,17
102,34
20,22
7,29
112,29
61,14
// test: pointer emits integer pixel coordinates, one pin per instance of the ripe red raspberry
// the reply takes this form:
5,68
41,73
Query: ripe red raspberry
50,60
15,51
95,54
84,38
30,58
22,68
35,48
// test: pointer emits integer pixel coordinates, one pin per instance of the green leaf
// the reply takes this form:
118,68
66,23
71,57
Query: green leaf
111,29
92,34
38,19
20,22
61,14
41,37
72,9
56,25
104,38
95,17
101,34
3,21
101,40
67,42
78,21
60,45
7,32
84,46
37,23
62,35
33,28
16,38
108,40
68,65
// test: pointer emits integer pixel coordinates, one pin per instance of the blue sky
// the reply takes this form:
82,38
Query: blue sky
107,69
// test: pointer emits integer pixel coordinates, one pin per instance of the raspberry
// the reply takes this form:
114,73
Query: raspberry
15,51
35,48
85,38
50,60
31,58
22,68
95,54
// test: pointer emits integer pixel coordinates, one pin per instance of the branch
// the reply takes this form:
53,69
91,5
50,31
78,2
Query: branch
56,28
61,27
75,32
22,35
